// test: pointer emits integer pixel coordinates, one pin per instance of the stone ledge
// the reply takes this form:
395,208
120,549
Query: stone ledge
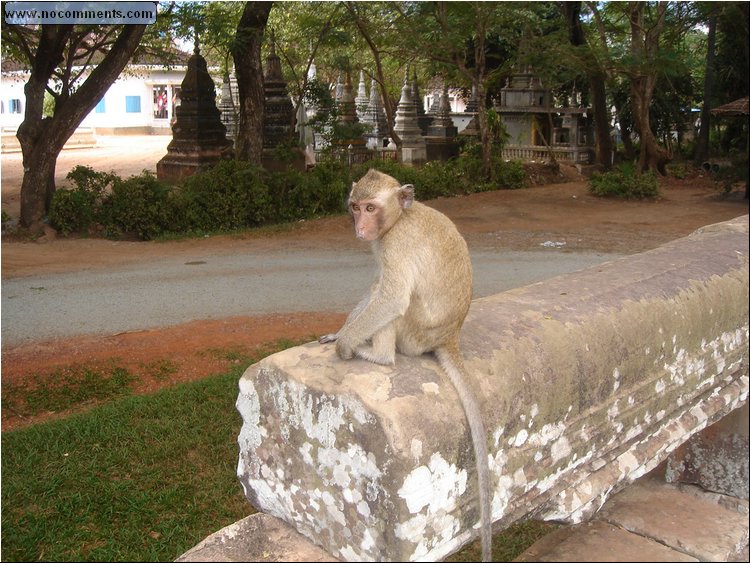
586,382
652,521
257,537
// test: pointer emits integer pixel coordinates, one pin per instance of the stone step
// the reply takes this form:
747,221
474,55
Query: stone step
652,520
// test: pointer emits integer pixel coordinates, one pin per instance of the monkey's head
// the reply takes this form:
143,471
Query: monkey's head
376,203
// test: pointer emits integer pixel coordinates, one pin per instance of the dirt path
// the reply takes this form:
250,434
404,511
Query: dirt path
518,219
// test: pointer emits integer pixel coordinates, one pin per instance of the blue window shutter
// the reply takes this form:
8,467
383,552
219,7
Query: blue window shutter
132,104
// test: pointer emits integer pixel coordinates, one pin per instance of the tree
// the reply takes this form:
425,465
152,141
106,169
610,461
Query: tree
454,37
644,47
731,71
371,33
76,65
701,146
249,70
571,12
296,26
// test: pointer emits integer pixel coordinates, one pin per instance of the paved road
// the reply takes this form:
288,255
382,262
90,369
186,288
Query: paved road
172,291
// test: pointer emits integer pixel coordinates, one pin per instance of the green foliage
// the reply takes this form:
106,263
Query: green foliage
138,206
505,174
460,176
509,175
234,195
304,195
624,182
679,170
731,173
230,195
76,209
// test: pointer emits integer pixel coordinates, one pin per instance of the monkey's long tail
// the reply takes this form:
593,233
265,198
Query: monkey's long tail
450,360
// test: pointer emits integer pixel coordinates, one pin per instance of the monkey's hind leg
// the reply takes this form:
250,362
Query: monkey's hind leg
383,349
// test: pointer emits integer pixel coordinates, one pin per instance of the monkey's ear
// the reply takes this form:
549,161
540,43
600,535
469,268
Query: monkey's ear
406,196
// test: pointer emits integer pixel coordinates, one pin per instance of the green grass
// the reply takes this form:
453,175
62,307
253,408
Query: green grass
66,388
140,478
143,478
508,544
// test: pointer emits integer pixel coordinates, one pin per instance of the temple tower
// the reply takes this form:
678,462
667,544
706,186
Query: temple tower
376,119
279,118
361,101
413,148
199,138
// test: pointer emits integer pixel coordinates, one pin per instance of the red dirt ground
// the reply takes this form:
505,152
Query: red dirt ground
511,219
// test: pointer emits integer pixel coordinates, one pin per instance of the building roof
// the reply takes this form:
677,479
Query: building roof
732,109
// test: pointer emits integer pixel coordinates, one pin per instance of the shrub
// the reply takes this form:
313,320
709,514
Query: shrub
679,170
234,194
230,195
76,209
509,175
139,206
438,179
624,182
322,191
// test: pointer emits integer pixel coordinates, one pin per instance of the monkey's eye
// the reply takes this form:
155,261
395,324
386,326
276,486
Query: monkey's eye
370,208
355,207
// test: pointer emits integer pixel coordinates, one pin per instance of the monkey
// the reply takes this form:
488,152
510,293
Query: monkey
418,301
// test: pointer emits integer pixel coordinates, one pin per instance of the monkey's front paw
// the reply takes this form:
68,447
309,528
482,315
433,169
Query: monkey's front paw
328,338
344,350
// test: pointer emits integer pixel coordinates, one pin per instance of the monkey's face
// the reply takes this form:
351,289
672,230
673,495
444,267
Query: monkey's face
369,219
376,203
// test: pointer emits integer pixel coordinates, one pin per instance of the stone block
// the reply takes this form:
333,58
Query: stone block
586,382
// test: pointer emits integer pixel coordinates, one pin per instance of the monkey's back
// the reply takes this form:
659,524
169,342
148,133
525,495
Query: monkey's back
437,274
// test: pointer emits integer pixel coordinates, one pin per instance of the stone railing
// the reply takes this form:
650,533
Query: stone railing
586,382
353,157
536,153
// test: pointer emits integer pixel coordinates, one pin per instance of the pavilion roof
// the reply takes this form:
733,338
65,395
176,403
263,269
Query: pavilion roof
735,108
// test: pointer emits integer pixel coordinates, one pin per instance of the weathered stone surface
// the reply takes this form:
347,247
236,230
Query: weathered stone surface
599,541
586,382
199,138
257,537
716,458
413,148
686,523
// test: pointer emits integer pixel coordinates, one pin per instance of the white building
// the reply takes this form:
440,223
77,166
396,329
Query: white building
141,101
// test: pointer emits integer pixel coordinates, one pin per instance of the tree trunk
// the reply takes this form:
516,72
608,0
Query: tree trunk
625,133
604,148
702,144
42,139
644,46
249,69
572,14
480,59
484,132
